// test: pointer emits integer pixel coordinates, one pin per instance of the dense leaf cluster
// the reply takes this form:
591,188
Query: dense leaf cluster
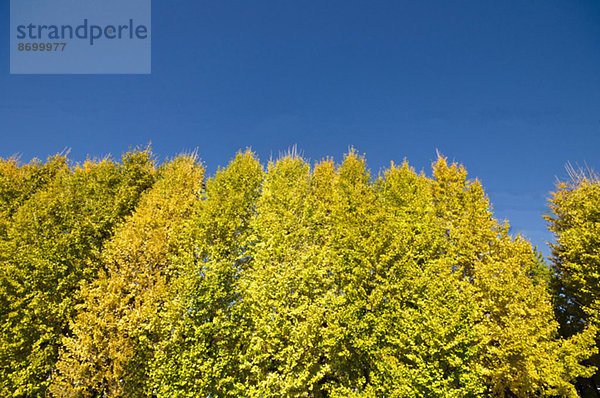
575,282
127,279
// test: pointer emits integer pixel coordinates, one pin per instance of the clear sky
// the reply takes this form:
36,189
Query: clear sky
509,88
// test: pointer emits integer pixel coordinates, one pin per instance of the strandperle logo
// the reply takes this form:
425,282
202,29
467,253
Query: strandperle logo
85,31
80,37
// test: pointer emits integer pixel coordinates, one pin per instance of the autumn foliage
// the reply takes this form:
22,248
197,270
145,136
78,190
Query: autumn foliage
127,278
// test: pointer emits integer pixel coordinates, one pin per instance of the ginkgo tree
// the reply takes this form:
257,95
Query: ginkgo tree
575,221
523,355
204,322
56,220
115,332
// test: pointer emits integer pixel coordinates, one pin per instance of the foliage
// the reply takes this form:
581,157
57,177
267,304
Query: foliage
575,221
115,331
56,220
203,334
120,279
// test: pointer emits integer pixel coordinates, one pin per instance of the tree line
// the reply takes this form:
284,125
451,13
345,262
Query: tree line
129,278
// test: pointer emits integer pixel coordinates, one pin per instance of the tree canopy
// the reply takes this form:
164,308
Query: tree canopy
575,221
127,279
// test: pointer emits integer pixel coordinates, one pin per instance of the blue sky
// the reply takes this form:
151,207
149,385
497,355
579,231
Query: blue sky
509,88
